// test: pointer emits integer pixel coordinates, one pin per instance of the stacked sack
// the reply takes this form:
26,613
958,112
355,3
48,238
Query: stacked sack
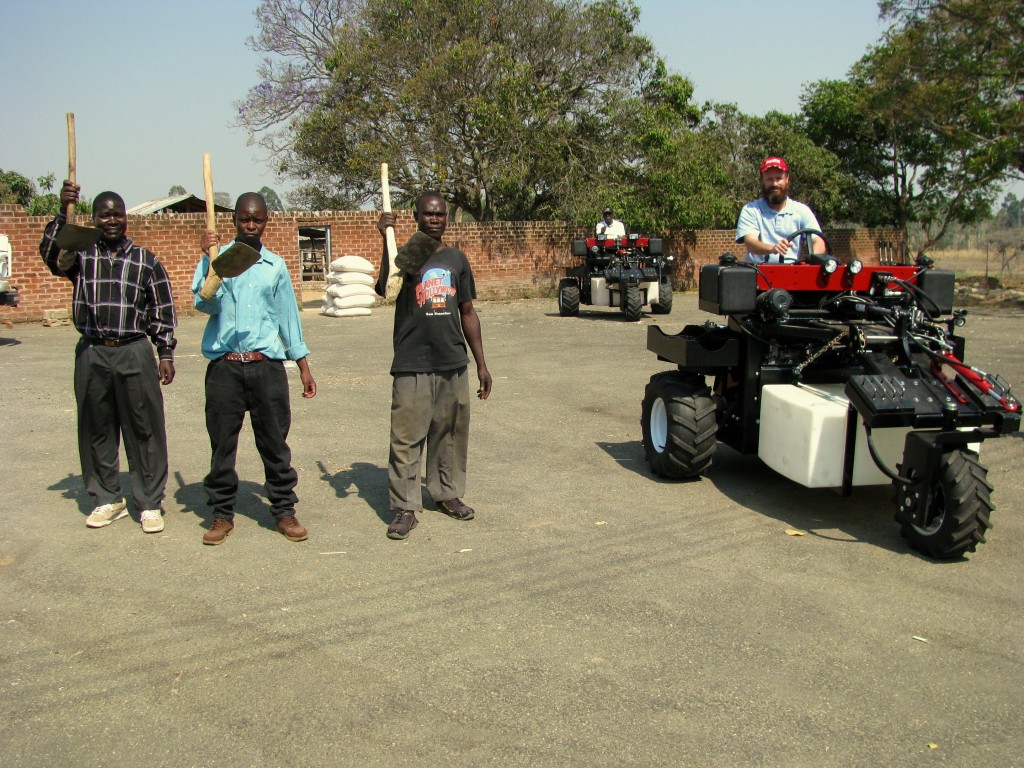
349,288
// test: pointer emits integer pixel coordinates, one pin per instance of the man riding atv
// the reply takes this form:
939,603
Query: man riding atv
609,226
763,222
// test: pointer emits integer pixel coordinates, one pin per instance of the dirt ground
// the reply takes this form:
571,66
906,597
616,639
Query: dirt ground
591,615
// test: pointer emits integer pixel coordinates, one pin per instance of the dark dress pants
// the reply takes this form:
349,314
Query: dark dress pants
117,391
261,388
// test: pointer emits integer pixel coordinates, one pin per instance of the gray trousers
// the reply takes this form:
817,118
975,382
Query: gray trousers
117,390
431,411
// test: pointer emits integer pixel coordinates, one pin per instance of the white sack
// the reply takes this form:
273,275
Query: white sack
351,278
352,264
348,302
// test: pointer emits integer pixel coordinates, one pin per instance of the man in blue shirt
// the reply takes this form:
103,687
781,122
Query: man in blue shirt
765,224
253,328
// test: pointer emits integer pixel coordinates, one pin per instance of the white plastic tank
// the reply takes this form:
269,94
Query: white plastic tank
803,436
603,296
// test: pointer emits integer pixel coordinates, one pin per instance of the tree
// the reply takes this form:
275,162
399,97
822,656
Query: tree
652,189
223,199
506,106
20,190
967,59
691,176
48,203
15,188
1011,212
273,201
890,126
296,38
177,189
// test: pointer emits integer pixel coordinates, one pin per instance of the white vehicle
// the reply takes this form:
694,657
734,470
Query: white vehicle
8,295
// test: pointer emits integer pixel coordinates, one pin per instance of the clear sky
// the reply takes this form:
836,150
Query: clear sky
153,84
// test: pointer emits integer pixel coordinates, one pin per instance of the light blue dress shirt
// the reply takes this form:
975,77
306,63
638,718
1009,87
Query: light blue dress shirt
769,226
254,312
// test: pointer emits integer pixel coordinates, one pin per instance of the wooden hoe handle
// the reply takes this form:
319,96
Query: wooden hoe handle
213,280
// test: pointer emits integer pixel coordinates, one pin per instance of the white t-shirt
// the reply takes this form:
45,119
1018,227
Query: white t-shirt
758,218
615,229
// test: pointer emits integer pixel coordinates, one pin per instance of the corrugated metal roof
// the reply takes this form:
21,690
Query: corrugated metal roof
175,204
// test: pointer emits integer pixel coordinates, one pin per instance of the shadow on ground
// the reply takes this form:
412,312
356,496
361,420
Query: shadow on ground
368,481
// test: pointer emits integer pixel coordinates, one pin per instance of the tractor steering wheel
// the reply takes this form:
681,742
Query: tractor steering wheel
803,251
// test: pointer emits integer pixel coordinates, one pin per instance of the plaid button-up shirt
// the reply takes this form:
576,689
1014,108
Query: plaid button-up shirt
119,292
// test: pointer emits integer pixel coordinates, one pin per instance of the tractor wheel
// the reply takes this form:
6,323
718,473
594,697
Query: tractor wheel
568,298
632,303
679,425
958,509
664,305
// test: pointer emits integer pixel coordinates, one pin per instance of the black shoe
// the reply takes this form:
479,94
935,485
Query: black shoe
456,508
405,520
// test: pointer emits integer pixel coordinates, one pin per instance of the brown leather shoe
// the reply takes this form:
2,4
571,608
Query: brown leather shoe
290,528
220,529
405,520
456,508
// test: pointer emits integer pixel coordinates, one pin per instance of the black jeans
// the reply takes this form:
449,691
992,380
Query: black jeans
260,388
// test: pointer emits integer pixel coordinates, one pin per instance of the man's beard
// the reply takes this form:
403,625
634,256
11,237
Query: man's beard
774,196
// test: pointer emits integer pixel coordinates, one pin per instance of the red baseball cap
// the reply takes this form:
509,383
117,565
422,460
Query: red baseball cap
774,162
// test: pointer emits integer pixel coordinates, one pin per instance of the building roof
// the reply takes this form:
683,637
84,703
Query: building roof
175,204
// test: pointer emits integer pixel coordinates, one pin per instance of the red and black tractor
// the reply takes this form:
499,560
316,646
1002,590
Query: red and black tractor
625,272
835,375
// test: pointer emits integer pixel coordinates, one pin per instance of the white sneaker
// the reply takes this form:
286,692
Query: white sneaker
152,522
106,514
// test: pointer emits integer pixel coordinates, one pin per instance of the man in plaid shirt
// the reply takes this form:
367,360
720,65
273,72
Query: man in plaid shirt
122,296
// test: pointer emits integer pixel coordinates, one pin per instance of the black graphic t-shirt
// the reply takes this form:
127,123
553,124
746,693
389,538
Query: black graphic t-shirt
428,327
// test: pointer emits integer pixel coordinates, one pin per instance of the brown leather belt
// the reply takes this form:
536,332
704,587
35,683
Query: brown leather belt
114,342
245,357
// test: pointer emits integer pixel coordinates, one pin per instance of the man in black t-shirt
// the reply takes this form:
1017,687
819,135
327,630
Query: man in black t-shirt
434,320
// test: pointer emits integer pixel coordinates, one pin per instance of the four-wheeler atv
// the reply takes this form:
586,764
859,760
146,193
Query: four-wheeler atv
835,376
625,272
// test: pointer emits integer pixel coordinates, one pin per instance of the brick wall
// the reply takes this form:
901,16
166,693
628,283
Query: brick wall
509,259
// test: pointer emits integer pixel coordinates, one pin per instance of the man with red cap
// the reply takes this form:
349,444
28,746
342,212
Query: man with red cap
765,225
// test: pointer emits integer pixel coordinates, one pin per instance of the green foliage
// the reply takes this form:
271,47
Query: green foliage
177,189
15,188
696,170
47,205
19,190
652,186
928,124
223,199
967,60
543,109
509,107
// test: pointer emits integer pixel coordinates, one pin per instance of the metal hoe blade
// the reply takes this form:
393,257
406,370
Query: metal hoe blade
235,260
74,238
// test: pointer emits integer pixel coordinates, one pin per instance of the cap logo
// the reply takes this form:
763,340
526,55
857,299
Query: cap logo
774,162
